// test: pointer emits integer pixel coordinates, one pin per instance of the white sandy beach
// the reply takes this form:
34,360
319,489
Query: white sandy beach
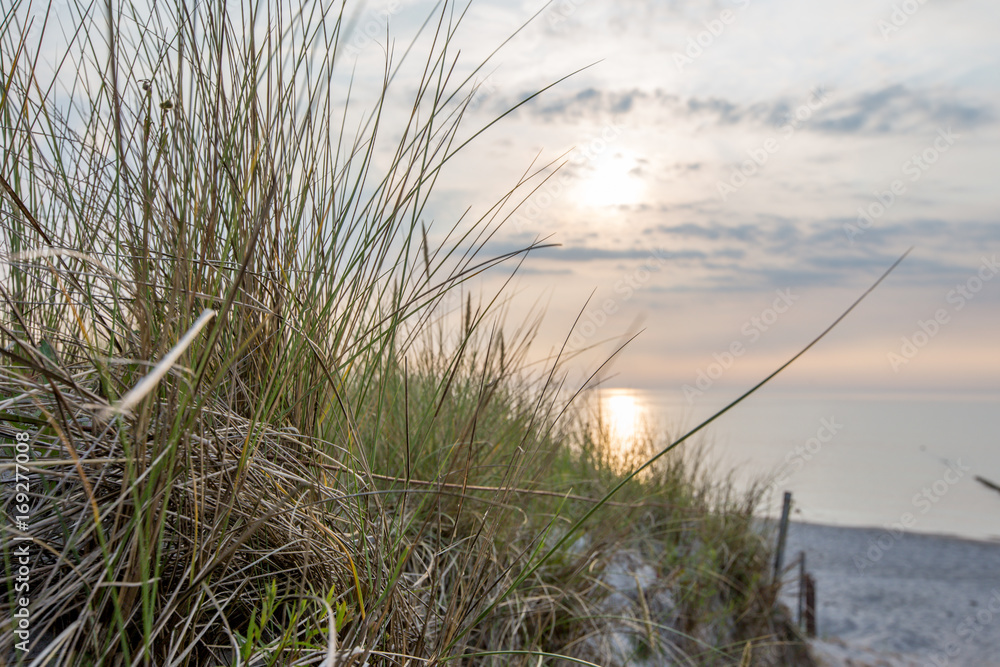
896,599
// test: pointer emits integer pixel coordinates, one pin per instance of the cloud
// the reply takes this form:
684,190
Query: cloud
581,253
712,231
586,104
889,110
897,109
775,252
524,270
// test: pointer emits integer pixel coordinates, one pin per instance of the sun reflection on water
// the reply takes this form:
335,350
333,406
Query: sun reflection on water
623,421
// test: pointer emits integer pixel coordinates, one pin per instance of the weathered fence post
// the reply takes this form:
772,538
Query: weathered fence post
810,606
802,585
779,557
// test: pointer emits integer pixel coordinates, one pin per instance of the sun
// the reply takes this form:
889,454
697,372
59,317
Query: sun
610,180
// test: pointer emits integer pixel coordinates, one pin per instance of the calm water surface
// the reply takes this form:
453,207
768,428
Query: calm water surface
855,460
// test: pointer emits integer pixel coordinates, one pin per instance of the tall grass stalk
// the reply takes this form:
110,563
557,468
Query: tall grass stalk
255,435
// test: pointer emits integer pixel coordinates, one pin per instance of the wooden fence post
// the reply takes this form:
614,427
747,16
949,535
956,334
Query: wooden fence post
779,557
802,585
810,606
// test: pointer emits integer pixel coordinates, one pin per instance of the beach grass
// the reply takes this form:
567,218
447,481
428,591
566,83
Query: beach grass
252,407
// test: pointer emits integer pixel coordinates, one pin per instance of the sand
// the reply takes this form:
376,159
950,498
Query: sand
896,598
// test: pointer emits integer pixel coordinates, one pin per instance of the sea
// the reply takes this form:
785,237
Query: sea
889,460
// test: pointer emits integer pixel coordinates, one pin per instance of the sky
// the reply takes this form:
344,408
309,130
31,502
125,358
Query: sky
732,175
736,173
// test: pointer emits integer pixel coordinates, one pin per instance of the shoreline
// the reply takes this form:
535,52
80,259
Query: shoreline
993,540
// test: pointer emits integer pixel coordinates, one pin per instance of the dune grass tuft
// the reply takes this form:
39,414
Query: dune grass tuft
258,427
